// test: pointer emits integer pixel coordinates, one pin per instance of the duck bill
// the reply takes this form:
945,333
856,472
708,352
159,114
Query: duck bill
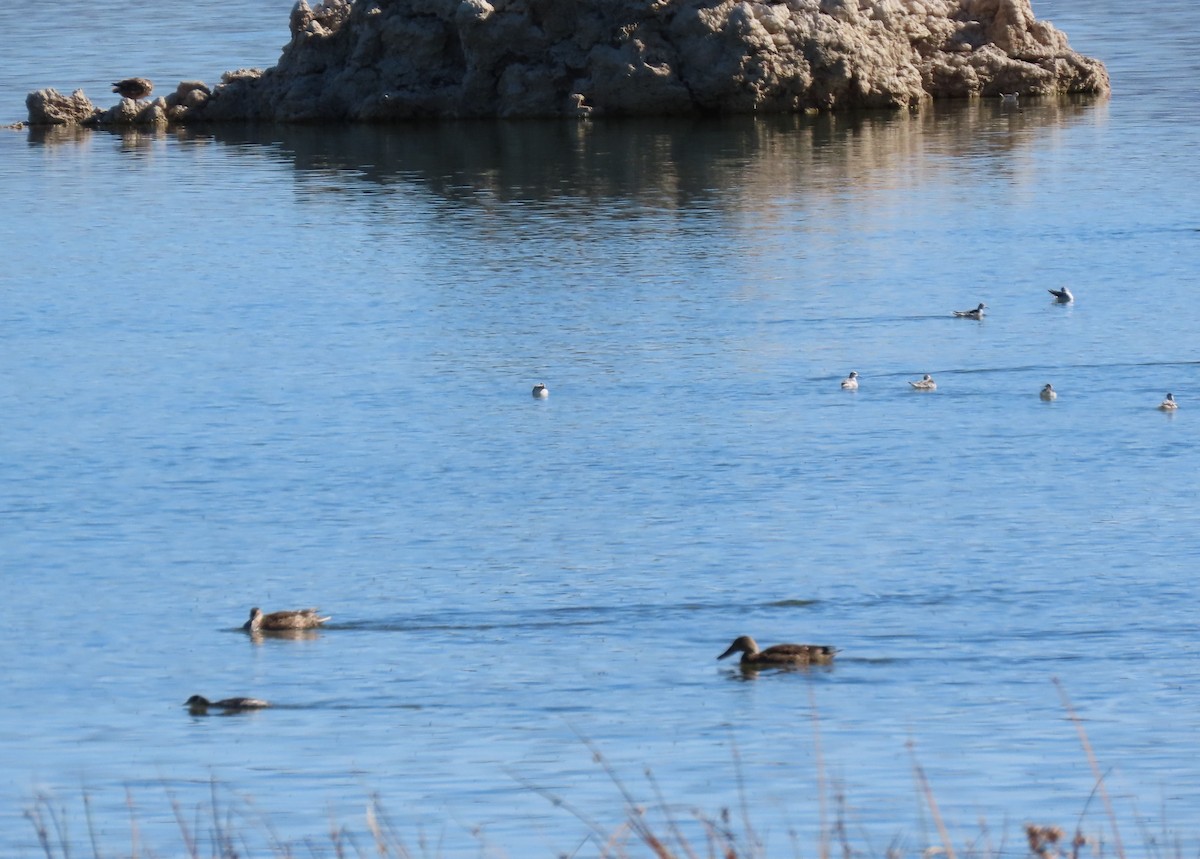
731,650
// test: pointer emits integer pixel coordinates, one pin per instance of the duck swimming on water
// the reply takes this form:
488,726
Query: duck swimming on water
1062,296
540,391
305,618
925,384
850,383
1048,393
199,705
1169,404
780,655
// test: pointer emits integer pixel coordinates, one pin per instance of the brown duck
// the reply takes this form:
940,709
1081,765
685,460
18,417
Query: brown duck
305,618
781,655
199,705
134,88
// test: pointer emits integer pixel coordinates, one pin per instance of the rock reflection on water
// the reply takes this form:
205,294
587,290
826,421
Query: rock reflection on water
129,138
665,163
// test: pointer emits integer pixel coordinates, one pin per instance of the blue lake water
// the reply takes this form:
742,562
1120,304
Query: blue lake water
292,366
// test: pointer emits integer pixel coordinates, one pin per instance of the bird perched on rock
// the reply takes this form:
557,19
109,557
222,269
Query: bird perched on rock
199,705
781,655
305,618
977,313
1062,296
134,88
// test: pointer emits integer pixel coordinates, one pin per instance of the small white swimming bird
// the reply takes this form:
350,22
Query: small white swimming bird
1009,97
925,384
977,313
1048,392
1169,404
540,391
850,383
1062,296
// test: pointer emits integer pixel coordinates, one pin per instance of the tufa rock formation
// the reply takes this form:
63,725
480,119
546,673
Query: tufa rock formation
395,59
383,60
50,107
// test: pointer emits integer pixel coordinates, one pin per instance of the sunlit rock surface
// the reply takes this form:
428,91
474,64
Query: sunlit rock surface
380,60
391,60
50,107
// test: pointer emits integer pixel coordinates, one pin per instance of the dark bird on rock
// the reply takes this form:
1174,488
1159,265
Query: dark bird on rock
134,88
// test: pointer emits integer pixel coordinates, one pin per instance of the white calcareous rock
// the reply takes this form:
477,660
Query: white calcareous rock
50,107
381,60
128,112
393,59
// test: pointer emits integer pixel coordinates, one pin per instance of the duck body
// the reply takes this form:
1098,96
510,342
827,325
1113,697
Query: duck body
134,88
1062,296
850,383
1169,404
977,313
925,384
780,655
200,704
1048,392
305,618
540,391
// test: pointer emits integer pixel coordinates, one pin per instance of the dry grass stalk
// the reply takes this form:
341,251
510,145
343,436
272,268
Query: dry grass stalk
822,812
1091,756
87,813
931,801
134,835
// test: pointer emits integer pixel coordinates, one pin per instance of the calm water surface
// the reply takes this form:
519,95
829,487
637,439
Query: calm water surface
290,367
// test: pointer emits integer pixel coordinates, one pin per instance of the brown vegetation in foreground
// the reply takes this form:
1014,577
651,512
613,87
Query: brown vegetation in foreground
231,830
